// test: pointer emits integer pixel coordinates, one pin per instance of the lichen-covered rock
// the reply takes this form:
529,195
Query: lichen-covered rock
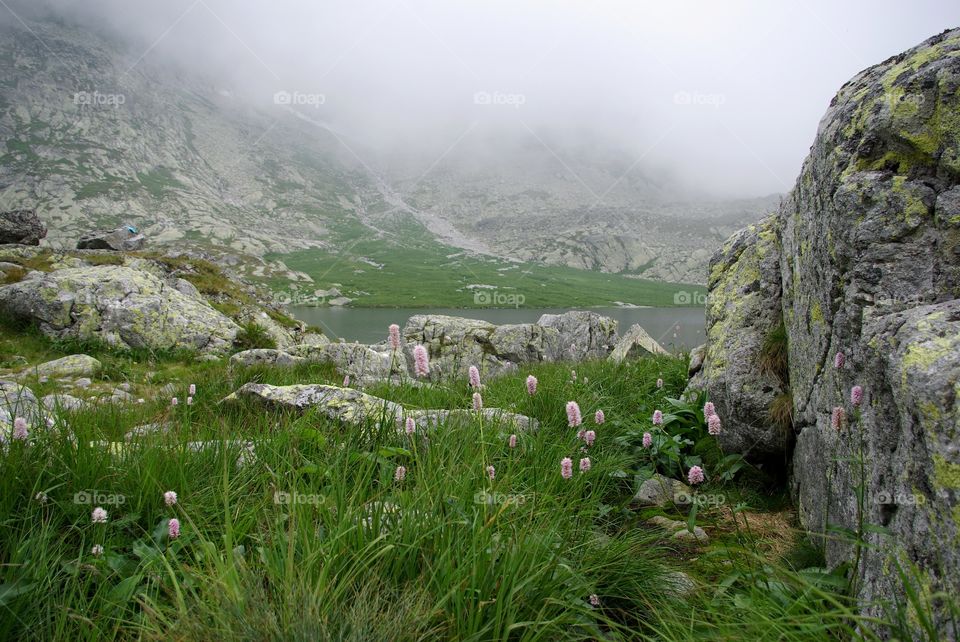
361,361
454,344
55,403
636,343
743,308
17,400
119,306
355,407
581,335
122,239
697,355
74,365
662,491
265,357
21,226
870,267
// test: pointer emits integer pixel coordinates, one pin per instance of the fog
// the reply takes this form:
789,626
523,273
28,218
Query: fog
725,96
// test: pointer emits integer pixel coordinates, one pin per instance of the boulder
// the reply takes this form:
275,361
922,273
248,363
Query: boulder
21,226
454,344
119,306
697,355
743,310
354,407
123,239
62,402
581,335
869,244
635,344
17,400
75,365
360,361
265,357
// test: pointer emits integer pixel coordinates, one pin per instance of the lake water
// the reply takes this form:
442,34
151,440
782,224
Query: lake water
676,329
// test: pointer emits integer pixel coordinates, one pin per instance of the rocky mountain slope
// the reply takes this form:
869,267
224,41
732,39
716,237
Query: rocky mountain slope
96,135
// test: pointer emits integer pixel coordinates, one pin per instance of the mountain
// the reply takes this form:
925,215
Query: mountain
98,134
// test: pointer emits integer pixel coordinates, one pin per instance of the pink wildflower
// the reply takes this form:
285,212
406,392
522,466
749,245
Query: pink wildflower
193,389
346,381
709,409
657,418
477,402
98,516
713,425
594,600
421,362
474,375
839,360
394,336
189,401
97,550
573,375
647,440
659,383
580,434
584,465
170,498
174,401
491,472
513,441
20,429
400,473
411,426
856,395
573,414
695,476
531,385
173,528
599,417
589,437
566,468
837,417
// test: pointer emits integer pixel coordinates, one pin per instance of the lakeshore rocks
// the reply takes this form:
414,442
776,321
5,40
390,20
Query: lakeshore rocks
23,227
582,335
120,306
265,357
869,247
122,239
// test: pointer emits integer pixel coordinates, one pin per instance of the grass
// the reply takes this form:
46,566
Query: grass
420,272
314,539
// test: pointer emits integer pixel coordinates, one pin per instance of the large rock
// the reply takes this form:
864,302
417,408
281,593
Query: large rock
74,365
454,344
119,306
870,266
21,226
743,308
636,343
17,400
354,407
265,357
122,239
582,335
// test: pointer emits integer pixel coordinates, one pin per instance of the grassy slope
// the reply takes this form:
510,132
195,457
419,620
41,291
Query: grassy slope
359,556
419,272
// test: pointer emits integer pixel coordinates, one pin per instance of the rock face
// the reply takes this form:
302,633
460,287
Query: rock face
122,239
742,310
870,267
21,226
120,306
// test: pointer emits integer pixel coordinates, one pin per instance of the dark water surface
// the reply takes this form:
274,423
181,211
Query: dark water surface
676,329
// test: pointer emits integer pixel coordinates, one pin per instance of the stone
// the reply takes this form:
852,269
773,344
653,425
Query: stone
679,529
360,361
82,382
23,227
697,355
698,535
145,430
18,401
120,306
635,344
869,246
581,335
743,309
75,365
265,357
662,491
354,407
54,403
122,239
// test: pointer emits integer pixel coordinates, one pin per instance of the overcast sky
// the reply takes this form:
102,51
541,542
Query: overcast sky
726,94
